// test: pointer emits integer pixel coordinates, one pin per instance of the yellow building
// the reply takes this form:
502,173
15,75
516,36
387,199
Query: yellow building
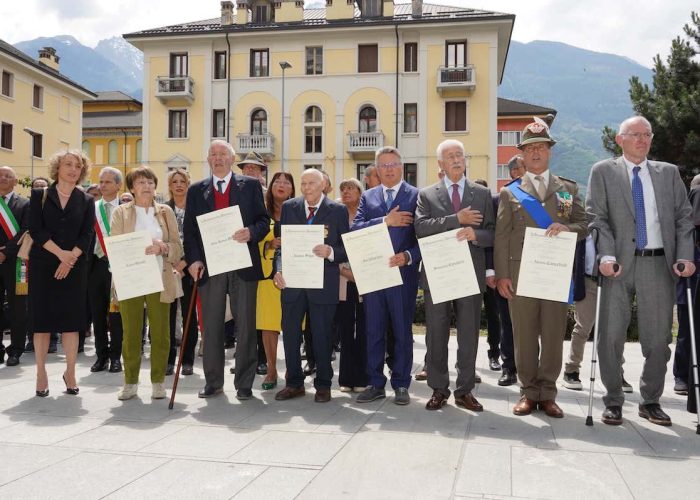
325,87
40,110
112,131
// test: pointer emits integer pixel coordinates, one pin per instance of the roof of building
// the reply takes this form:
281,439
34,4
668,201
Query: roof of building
114,96
509,107
21,56
112,119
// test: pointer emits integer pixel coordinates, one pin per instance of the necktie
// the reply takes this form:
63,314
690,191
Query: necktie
640,217
456,201
220,186
310,217
541,189
108,208
389,198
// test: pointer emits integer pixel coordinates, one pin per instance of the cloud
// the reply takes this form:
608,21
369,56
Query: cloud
71,9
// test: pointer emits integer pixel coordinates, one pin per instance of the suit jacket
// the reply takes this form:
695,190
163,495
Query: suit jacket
245,192
373,209
611,210
19,206
435,214
334,217
513,219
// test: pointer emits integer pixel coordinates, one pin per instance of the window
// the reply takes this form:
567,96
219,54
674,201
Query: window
219,65
86,147
503,172
368,119
313,129
455,116
361,167
261,14
509,138
410,57
456,54
314,60
258,122
410,118
8,80
259,62
316,166
367,58
37,145
410,173
38,97
139,150
177,124
370,8
178,64
218,126
112,150
6,135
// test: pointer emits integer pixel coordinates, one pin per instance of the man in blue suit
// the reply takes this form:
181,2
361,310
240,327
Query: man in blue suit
313,207
393,202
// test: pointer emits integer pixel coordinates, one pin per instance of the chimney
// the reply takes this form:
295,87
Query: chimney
417,8
48,57
227,13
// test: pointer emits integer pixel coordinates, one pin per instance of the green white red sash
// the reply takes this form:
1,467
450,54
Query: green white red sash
11,228
102,228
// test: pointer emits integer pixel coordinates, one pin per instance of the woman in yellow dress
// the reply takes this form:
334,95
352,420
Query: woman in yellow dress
269,306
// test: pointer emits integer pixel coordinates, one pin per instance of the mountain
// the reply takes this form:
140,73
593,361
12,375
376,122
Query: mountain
588,89
112,65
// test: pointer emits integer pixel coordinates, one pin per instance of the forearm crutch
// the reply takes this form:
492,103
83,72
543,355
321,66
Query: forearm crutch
183,343
693,347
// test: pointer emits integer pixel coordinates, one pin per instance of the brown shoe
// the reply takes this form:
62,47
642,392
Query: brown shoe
322,395
551,408
524,406
421,375
290,393
469,402
436,401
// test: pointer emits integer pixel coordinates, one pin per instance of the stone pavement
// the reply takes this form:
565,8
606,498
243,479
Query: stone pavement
94,446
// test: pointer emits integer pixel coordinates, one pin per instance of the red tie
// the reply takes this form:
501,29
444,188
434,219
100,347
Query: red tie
456,201
310,218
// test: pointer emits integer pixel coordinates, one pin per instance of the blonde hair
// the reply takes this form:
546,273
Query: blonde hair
171,175
57,158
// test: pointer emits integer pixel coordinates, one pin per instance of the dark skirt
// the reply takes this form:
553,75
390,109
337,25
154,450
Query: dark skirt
350,319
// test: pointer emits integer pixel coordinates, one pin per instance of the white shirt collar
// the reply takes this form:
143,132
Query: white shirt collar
631,165
114,202
461,183
395,188
226,180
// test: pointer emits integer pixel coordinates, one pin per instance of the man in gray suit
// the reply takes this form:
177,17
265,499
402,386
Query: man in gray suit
641,211
452,203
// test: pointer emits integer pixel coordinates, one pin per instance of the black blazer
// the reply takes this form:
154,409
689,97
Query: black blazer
245,192
334,217
19,206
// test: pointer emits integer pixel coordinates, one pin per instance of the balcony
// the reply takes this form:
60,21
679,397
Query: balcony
457,78
172,88
365,142
260,143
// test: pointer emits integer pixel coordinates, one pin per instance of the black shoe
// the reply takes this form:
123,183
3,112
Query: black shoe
612,415
53,347
494,364
654,414
42,394
261,369
572,381
12,360
187,370
309,369
73,391
508,377
680,387
229,344
2,354
81,349
244,394
169,370
115,366
100,364
232,370
209,392
29,347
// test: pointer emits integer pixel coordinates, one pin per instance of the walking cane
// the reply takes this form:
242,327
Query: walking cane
693,347
183,344
594,351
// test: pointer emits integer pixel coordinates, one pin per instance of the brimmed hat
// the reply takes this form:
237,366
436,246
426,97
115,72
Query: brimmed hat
253,158
537,131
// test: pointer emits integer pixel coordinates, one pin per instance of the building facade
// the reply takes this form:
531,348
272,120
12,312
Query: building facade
325,87
40,110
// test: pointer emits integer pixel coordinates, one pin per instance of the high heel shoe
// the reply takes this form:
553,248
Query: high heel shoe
73,391
42,394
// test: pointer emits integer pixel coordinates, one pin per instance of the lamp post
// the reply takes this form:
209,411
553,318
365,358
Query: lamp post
284,65
31,148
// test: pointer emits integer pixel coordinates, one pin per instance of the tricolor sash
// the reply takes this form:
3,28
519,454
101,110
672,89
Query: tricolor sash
11,228
102,228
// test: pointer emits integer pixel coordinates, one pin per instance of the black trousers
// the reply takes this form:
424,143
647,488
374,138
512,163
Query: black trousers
106,326
350,320
188,353
507,350
493,323
15,317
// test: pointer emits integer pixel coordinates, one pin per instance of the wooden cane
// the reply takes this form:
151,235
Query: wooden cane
183,344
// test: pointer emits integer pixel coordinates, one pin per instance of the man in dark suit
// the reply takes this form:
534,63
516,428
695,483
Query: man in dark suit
641,212
455,202
13,273
313,207
108,345
393,203
224,189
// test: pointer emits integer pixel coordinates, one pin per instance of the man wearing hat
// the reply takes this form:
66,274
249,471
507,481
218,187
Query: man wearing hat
543,200
253,165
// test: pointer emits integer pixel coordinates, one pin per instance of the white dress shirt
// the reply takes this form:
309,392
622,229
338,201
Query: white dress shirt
651,211
226,180
146,221
316,206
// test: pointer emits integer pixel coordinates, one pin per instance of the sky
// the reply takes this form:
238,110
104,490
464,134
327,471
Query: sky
635,29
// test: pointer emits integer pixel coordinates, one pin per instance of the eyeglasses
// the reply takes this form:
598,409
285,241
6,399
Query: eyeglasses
639,135
390,164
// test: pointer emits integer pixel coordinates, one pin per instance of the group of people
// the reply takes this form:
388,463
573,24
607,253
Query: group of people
637,218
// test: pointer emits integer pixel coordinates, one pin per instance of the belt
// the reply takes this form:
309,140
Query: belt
656,252
591,277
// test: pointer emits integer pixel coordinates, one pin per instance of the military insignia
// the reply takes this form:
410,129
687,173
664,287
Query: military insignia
565,204
536,128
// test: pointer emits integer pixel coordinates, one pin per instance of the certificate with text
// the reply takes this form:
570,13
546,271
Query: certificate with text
448,266
300,267
369,251
135,274
223,253
546,265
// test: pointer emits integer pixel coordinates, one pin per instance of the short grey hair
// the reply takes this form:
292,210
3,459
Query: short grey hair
448,143
385,151
313,171
351,182
513,162
369,169
118,178
221,142
629,121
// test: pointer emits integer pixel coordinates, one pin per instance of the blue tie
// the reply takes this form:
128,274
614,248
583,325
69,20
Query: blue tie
639,214
389,198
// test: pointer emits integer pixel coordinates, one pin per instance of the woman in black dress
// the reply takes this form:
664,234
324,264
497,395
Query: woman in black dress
61,222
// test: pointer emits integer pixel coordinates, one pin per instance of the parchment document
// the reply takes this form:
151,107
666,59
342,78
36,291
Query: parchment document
300,267
369,251
223,253
135,273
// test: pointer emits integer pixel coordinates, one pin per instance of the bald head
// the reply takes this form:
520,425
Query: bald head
312,185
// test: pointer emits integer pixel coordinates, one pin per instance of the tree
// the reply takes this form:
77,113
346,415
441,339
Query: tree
672,104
